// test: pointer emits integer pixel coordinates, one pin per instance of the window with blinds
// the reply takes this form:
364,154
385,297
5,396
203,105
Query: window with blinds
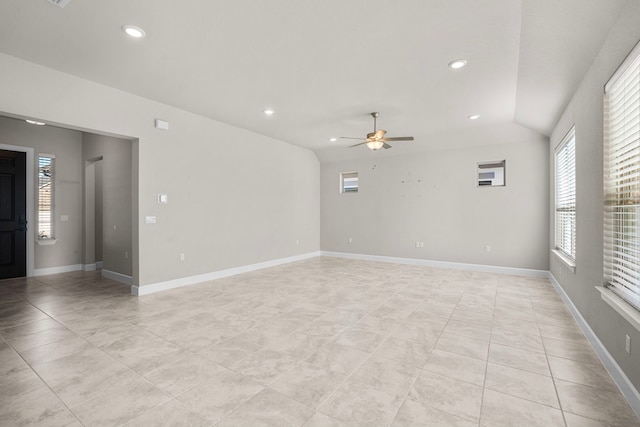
565,175
349,182
46,205
622,180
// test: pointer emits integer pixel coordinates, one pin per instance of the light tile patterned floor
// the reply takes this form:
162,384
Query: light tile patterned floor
323,342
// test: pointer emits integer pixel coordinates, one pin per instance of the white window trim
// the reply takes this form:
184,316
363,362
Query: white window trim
51,239
565,259
561,252
347,175
621,272
621,307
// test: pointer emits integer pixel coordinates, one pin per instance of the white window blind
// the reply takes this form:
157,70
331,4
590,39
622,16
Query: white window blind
566,195
622,180
46,206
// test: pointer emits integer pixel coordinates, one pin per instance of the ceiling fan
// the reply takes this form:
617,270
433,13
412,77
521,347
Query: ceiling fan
376,139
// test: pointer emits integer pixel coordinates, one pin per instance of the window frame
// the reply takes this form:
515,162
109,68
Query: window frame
349,176
621,181
50,212
565,197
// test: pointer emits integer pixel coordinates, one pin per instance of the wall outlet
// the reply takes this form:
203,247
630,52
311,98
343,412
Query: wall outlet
487,248
297,242
422,244
417,244
627,344
350,240
181,257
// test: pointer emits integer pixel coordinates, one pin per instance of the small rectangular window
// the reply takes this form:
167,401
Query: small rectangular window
565,180
46,193
491,174
349,182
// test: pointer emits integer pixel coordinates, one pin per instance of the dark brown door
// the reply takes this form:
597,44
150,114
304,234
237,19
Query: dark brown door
13,214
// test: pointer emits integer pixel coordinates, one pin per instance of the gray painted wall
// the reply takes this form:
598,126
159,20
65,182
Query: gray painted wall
235,197
586,111
116,199
67,146
432,197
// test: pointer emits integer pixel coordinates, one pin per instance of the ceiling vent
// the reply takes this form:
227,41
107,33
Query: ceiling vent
60,3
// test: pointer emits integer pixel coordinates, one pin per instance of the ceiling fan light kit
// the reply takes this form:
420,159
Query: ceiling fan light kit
376,140
375,145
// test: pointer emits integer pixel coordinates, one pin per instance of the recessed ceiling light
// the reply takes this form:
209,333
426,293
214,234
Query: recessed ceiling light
33,122
334,139
474,117
269,112
457,63
133,31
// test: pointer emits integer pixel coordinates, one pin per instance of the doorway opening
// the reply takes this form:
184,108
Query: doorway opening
93,182
93,223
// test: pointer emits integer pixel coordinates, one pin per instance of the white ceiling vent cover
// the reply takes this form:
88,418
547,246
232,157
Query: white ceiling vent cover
60,3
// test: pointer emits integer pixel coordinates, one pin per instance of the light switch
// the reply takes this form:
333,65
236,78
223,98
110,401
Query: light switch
150,219
163,198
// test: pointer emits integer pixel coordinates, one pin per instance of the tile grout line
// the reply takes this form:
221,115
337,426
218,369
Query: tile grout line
421,369
553,379
486,365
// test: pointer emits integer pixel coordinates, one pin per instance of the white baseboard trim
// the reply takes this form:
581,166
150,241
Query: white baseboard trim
192,280
99,265
610,364
442,264
89,267
118,277
56,270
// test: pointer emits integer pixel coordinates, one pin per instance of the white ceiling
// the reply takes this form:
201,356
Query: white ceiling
325,65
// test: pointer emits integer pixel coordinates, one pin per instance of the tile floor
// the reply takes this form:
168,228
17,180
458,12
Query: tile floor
323,342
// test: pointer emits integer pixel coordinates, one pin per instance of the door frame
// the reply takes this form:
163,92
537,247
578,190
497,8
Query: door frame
31,224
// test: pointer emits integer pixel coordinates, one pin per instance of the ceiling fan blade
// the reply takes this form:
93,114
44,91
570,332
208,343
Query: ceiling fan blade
385,146
358,144
350,137
398,138
380,133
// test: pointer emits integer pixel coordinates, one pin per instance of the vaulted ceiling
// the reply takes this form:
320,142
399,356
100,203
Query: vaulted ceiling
323,66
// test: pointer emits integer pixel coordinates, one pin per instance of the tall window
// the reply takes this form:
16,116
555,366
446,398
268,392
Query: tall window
46,206
566,195
622,180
